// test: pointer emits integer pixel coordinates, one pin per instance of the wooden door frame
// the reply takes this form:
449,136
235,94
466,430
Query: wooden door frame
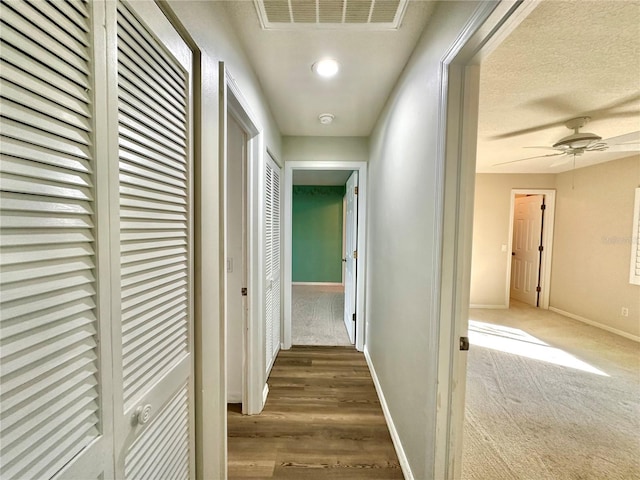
547,241
361,168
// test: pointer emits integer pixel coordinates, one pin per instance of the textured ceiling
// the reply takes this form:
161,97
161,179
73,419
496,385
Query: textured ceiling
371,62
566,59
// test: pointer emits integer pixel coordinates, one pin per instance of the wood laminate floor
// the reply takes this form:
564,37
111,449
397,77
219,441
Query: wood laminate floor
322,420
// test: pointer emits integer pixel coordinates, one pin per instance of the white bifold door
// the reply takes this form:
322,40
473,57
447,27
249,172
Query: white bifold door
273,280
96,316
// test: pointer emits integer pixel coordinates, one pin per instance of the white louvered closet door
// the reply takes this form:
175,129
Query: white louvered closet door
273,282
55,390
154,409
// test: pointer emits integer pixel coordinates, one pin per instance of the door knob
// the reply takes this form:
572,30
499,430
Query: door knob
143,414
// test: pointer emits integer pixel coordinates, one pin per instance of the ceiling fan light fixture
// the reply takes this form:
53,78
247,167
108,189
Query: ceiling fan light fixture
577,140
327,67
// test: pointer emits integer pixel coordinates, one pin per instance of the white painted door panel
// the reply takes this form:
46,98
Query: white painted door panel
525,261
154,407
55,388
236,305
351,236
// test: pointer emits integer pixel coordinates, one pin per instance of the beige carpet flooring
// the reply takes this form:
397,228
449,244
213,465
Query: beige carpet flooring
549,398
317,315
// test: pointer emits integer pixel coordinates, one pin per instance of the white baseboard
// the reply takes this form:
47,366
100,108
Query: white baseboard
332,284
402,458
265,393
492,307
596,324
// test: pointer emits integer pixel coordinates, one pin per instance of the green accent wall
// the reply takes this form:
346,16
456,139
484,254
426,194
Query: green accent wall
316,245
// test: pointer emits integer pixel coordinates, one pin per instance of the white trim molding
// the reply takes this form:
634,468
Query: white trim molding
361,168
395,438
593,323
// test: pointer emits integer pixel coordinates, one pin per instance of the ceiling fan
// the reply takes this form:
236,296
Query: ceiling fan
577,144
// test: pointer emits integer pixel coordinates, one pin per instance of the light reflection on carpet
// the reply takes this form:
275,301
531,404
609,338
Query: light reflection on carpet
519,342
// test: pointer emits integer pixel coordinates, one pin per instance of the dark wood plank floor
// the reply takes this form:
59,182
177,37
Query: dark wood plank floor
322,420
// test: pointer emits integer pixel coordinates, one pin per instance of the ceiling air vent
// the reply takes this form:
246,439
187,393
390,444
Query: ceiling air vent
331,14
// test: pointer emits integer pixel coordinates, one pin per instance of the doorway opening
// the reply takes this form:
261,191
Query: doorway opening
322,210
241,149
531,245
324,249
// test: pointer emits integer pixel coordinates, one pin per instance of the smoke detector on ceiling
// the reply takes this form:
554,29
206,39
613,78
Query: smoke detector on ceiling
326,118
331,14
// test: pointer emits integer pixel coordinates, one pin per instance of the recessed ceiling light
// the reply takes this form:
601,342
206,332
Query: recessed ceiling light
326,118
326,67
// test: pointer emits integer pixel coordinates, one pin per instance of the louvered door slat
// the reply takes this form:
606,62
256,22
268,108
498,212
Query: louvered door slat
20,96
27,151
147,104
153,192
170,429
76,30
134,36
46,375
33,49
36,136
135,74
76,11
76,56
154,308
48,338
33,85
130,104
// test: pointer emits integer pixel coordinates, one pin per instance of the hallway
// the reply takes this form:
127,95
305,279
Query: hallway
322,420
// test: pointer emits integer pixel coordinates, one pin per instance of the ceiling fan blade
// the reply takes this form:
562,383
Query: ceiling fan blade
524,131
624,147
540,147
558,103
528,158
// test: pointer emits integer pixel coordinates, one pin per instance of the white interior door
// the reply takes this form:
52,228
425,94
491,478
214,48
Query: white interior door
351,256
153,337
235,247
55,346
273,276
525,261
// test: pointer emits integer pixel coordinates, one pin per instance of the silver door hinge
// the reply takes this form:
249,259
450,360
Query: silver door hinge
244,291
353,317
355,254
356,190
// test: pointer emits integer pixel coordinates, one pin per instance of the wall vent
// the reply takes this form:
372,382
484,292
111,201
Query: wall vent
331,14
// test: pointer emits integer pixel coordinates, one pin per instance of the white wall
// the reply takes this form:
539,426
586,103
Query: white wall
592,249
402,284
209,26
347,149
491,231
